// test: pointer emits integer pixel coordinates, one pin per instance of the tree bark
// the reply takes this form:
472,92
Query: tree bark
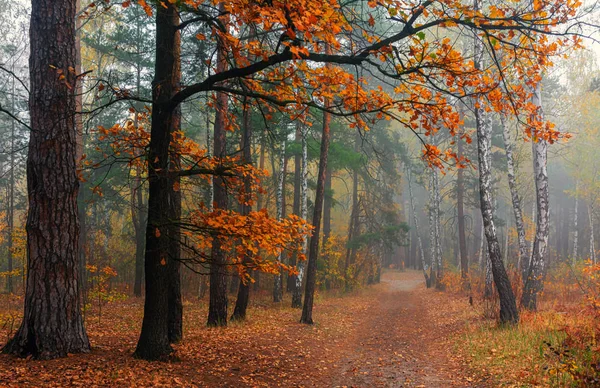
313,253
416,224
297,294
291,281
534,280
514,194
437,229
243,296
277,286
174,263
154,342
576,224
592,242
352,231
138,211
217,309
508,305
462,236
52,324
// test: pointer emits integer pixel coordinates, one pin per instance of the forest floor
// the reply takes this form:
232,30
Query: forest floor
394,334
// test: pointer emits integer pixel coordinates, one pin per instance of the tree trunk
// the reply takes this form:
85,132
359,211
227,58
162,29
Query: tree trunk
416,224
52,324
154,342
313,253
576,224
534,280
243,296
352,231
138,212
11,199
462,237
297,294
277,286
508,305
592,242
174,261
437,229
291,281
217,310
432,236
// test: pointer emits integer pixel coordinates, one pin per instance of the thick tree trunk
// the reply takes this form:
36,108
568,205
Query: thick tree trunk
508,305
297,294
243,296
534,280
277,284
52,324
313,253
154,342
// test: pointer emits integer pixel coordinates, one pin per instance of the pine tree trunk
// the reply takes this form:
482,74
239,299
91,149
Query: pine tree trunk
534,280
297,294
154,342
508,305
217,310
313,253
52,324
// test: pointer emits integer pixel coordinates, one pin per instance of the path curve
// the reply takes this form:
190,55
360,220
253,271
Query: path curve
399,344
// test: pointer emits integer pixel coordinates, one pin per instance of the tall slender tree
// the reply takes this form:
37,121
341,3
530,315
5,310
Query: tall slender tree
508,305
534,279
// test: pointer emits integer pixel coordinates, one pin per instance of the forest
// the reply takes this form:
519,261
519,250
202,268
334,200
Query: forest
301,193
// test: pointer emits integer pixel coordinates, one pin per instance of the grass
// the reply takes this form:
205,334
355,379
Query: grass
547,348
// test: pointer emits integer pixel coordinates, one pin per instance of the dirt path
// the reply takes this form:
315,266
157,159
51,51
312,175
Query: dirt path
399,342
394,334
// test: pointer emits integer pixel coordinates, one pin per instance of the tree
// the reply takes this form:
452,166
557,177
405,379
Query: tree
533,280
313,250
515,198
154,342
52,323
508,306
